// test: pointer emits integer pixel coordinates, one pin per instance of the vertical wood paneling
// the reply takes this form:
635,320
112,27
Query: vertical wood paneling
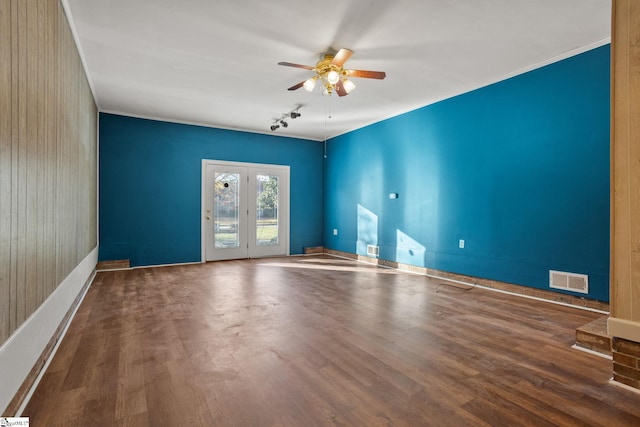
57,192
51,135
15,138
634,155
47,166
63,185
41,159
31,153
5,166
23,143
625,164
619,264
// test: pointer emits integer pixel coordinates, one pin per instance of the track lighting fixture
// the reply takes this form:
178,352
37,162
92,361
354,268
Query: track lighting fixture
280,122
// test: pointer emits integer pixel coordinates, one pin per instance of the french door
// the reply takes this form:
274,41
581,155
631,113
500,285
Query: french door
245,210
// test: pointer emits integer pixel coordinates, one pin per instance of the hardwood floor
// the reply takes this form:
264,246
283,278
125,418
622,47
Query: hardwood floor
306,341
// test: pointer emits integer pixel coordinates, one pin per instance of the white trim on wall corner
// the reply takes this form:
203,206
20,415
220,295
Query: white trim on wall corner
66,7
98,178
24,347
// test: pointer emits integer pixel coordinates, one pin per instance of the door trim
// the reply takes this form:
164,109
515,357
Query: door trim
203,188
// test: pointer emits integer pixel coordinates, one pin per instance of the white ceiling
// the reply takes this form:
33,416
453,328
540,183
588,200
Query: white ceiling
215,62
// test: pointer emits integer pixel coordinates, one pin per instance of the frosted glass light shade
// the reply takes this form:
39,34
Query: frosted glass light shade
348,85
309,84
333,77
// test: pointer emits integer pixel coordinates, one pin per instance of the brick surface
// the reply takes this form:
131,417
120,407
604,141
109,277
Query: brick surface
626,371
625,359
624,380
627,347
626,362
593,342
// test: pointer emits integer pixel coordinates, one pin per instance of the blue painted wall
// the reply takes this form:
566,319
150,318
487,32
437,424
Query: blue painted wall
518,169
150,185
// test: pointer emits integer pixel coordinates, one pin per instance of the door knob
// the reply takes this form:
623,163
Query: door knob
208,218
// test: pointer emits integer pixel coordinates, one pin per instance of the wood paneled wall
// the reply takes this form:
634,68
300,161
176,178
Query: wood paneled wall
625,171
48,167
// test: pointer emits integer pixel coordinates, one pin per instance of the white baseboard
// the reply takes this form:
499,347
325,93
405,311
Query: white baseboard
25,346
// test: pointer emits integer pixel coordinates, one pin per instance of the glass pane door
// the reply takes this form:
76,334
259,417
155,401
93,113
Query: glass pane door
245,210
226,208
267,210
225,212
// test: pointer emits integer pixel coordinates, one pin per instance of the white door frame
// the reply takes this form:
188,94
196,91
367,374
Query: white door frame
283,211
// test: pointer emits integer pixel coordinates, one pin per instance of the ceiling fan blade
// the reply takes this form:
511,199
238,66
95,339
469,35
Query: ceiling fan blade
290,64
341,57
366,74
297,86
340,89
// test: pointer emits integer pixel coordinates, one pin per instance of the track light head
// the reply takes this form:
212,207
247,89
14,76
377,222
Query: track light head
274,126
294,115
284,124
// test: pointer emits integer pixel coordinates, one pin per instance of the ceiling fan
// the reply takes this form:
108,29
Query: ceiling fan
333,77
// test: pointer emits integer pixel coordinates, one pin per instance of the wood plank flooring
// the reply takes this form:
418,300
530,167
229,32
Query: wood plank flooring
313,341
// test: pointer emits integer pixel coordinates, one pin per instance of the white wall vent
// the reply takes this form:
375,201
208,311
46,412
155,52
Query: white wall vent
373,250
569,281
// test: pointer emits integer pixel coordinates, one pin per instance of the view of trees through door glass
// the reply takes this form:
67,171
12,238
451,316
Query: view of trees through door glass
267,210
226,204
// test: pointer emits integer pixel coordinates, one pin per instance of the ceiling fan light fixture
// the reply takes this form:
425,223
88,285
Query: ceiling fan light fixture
333,77
348,85
310,84
332,74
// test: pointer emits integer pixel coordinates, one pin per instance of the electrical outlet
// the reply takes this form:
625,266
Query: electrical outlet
335,231
461,244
